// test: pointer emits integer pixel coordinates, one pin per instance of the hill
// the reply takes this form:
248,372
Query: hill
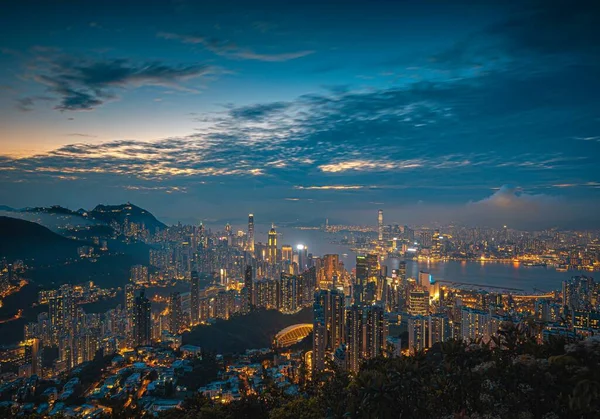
252,331
20,239
118,213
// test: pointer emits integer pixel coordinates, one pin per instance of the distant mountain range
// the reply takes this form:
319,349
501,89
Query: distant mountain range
21,239
101,214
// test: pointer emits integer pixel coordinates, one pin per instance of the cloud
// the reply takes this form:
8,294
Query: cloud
259,111
443,143
85,83
25,104
331,187
231,50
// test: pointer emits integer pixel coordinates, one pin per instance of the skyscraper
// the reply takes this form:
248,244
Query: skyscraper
129,310
139,274
175,313
272,246
331,266
195,298
380,225
142,327
354,336
374,331
328,325
249,289
418,302
250,245
286,253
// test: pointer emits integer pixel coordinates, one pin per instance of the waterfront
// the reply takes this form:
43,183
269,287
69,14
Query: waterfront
492,274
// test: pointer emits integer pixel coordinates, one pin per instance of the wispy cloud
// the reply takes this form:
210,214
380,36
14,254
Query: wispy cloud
231,50
82,84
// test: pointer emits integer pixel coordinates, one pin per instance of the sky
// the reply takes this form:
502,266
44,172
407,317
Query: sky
475,112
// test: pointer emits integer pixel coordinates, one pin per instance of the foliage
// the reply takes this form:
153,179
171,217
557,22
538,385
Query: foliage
509,377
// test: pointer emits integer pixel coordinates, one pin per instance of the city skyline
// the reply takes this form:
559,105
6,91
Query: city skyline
434,112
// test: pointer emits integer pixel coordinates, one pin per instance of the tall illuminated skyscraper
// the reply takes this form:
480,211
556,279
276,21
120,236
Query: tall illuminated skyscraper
374,331
139,274
272,246
195,298
142,325
249,288
287,253
380,225
331,266
175,313
251,233
328,325
129,310
354,336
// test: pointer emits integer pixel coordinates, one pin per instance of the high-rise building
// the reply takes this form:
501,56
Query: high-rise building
380,225
331,267
417,333
139,274
287,253
250,246
328,325
142,327
302,257
439,329
367,270
195,298
129,309
436,245
475,324
354,336
272,246
418,302
248,287
290,293
175,313
374,331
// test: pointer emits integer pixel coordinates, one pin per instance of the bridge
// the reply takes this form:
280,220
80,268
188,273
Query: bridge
292,334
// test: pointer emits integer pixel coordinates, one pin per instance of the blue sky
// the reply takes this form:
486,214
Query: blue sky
475,112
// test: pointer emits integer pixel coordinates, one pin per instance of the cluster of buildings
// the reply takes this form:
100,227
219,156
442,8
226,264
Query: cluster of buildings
562,250
358,314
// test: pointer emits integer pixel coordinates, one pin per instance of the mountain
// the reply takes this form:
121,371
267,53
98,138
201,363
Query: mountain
54,209
118,213
20,239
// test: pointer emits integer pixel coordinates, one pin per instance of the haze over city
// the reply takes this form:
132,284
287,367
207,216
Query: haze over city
478,112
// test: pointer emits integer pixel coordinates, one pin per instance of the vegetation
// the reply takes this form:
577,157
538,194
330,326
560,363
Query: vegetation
513,377
254,330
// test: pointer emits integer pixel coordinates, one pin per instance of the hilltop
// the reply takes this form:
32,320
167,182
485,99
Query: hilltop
21,239
119,213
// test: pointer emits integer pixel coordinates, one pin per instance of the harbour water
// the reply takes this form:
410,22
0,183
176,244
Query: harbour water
487,274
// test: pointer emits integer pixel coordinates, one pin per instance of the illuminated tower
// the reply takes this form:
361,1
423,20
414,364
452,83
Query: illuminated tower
328,325
129,309
249,289
331,265
374,331
175,313
251,233
141,320
195,298
272,246
354,336
287,253
436,246
380,225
